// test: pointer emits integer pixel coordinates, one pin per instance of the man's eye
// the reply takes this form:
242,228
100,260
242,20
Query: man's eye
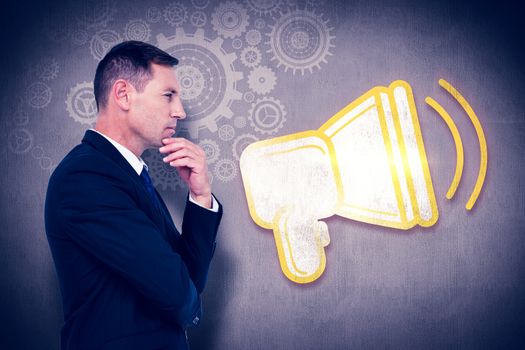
168,96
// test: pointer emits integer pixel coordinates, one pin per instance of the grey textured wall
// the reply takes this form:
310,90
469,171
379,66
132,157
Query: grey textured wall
458,284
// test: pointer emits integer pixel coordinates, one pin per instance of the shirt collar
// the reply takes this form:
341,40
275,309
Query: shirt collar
136,162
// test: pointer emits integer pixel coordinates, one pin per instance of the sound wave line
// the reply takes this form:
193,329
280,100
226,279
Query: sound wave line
481,138
457,140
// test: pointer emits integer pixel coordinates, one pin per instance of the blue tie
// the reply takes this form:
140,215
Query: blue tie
149,186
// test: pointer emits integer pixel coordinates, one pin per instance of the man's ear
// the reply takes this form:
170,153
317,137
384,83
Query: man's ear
121,93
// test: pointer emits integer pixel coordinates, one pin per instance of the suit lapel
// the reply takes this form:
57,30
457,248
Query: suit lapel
106,148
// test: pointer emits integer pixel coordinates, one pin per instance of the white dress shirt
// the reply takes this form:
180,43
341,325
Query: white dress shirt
138,164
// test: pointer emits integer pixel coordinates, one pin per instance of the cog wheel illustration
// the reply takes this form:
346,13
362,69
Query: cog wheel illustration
230,19
259,23
209,102
81,104
248,96
20,141
95,14
45,163
225,170
199,19
226,132
200,4
79,37
37,152
241,142
137,29
264,7
191,81
300,40
239,122
38,95
153,15
236,43
162,174
20,117
102,42
212,150
314,3
251,56
267,115
47,69
253,37
262,80
176,14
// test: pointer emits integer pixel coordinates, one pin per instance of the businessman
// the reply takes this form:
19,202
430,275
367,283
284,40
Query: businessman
128,278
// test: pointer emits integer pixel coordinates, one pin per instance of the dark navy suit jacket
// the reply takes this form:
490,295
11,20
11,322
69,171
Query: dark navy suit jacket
128,279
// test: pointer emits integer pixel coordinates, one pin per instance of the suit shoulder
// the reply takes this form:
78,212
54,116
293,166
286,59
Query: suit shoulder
83,159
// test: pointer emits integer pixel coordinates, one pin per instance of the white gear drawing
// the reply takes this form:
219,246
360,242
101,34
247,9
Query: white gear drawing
137,29
241,142
225,170
47,69
239,122
259,23
95,14
300,40
236,43
262,80
200,4
45,163
267,115
20,117
37,152
248,96
253,37
212,150
80,103
199,19
79,37
264,7
176,14
314,3
102,42
191,81
230,19
215,66
251,56
226,132
20,141
38,95
153,14
162,174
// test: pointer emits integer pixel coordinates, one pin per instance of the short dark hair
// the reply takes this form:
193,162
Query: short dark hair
129,60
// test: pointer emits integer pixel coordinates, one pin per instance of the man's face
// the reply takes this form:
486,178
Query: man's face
154,112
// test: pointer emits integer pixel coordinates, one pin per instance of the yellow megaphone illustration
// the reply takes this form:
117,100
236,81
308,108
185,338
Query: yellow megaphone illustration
366,163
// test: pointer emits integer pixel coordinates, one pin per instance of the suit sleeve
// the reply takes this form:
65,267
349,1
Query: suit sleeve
197,243
100,214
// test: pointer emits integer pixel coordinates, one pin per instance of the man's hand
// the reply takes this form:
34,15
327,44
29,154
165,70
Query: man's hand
190,162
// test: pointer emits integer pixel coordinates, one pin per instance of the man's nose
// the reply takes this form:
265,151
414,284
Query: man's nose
177,110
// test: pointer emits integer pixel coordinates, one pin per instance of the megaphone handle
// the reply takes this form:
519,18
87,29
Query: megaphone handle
300,245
